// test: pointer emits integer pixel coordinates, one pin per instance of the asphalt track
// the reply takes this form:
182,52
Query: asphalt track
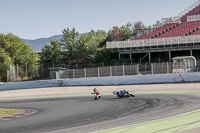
83,114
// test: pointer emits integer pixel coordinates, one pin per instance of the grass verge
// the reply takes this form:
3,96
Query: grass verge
170,125
8,112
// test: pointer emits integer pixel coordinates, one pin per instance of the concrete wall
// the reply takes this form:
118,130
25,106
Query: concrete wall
122,80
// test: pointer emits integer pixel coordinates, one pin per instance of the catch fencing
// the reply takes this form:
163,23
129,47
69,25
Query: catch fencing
43,71
123,70
11,76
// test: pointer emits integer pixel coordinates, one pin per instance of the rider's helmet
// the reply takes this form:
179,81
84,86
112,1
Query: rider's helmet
121,93
126,92
95,89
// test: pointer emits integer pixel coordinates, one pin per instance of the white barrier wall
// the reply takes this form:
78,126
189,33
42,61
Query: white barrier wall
30,84
122,80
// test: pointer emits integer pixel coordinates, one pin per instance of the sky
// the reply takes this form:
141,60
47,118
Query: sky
32,19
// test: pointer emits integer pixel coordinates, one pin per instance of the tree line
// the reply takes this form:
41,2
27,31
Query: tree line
14,51
90,48
73,48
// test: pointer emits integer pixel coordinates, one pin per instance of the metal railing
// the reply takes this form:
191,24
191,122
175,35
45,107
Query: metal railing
43,72
123,70
154,42
193,18
189,9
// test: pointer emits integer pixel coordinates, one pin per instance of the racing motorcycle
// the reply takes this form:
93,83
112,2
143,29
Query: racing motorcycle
97,97
123,94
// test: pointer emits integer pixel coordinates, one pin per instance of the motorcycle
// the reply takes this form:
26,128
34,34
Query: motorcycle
123,94
97,97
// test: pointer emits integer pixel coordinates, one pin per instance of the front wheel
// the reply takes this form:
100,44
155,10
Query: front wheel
132,95
96,98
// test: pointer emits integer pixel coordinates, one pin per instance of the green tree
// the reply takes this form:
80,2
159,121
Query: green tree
94,41
127,32
15,51
81,49
75,45
81,54
52,54
5,62
104,55
69,41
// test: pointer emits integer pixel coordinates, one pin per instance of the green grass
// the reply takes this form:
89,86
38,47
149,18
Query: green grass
170,125
7,112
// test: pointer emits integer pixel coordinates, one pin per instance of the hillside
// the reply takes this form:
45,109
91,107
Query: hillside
38,44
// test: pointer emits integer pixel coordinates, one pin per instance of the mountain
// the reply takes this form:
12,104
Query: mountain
38,44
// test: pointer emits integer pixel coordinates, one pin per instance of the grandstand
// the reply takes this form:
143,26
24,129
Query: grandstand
180,33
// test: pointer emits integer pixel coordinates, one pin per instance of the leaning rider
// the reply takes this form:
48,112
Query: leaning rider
126,92
98,94
121,93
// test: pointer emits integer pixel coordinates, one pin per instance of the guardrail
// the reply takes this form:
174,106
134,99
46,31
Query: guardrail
154,42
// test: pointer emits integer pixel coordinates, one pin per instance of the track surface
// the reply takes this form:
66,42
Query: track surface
83,114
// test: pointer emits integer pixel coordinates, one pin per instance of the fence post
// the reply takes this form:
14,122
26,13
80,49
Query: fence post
130,72
42,71
98,72
85,72
32,71
167,67
8,75
123,70
17,71
111,71
137,70
74,73
152,68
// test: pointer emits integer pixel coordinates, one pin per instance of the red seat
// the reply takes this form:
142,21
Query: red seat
182,30
195,11
159,31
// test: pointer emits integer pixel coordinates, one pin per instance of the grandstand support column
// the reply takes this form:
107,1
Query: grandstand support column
170,56
130,56
191,52
119,56
149,57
